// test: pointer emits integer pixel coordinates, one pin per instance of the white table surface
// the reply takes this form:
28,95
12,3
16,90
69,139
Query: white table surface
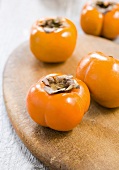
16,18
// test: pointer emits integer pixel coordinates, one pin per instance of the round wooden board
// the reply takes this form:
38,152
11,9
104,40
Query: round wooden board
93,144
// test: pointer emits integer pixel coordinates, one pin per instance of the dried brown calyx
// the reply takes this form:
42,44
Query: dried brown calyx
58,84
104,7
50,25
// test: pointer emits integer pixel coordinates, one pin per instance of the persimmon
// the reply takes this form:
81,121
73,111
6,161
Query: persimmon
101,18
58,101
101,74
53,39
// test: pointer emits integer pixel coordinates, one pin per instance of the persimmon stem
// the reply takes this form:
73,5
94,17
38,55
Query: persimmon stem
104,7
56,84
102,4
51,24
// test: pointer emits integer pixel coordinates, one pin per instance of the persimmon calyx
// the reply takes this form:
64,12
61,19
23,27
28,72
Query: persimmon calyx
104,7
52,24
58,84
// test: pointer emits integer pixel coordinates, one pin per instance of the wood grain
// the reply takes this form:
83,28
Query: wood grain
93,144
16,18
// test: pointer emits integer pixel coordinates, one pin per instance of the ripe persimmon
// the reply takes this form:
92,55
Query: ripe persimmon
101,18
101,74
53,39
58,101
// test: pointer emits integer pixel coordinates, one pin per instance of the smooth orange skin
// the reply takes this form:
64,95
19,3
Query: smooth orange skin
95,23
61,111
53,47
101,74
91,20
110,27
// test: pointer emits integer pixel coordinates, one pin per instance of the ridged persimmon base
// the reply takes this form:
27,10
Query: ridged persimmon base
93,144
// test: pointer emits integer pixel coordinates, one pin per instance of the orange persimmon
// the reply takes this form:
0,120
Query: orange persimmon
58,101
101,74
53,39
101,18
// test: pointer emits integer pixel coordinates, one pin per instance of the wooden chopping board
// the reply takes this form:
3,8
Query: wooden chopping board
93,144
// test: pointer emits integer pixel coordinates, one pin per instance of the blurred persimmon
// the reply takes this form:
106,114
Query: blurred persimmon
53,39
101,18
